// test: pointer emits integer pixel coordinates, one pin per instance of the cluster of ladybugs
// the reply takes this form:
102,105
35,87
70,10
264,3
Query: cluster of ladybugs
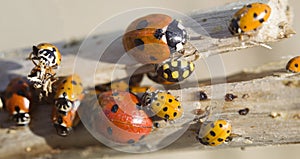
68,90
154,39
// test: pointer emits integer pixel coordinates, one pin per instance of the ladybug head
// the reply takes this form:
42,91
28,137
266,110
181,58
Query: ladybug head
61,129
63,105
176,36
22,119
234,27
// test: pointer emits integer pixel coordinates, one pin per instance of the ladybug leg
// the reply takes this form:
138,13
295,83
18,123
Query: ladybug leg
196,55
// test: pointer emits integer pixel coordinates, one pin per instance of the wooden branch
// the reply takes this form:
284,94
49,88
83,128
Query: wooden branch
273,101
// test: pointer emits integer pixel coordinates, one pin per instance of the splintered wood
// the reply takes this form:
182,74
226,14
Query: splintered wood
265,111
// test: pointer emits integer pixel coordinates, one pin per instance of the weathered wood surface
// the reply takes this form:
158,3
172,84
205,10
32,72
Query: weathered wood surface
272,100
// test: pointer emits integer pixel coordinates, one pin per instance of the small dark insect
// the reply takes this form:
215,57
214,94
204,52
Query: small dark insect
244,111
202,95
230,97
198,111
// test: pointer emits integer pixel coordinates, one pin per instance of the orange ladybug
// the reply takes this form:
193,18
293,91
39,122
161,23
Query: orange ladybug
294,65
64,123
18,98
153,38
69,93
249,18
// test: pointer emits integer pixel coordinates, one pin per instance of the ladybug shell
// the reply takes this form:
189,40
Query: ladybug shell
69,92
294,65
176,70
64,123
214,133
47,53
17,100
249,18
163,104
121,120
139,40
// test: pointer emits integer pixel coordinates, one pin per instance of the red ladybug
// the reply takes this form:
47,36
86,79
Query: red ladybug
121,119
17,100
153,38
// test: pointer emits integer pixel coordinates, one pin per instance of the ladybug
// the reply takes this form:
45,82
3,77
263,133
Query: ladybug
69,94
64,123
121,119
153,38
249,18
294,65
162,104
46,54
18,97
175,70
214,133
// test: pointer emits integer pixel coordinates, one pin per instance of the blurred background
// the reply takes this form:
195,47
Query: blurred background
26,23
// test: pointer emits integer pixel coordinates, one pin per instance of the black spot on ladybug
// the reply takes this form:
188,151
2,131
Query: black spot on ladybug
74,82
114,108
261,20
142,24
109,130
157,104
162,97
141,138
165,109
207,139
130,141
17,108
64,81
170,100
69,88
249,6
212,133
220,125
174,114
220,139
245,27
139,43
167,116
228,131
230,97
152,58
296,65
213,143
244,111
254,15
202,95
179,107
62,87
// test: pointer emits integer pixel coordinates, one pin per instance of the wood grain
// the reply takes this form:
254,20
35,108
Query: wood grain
273,100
